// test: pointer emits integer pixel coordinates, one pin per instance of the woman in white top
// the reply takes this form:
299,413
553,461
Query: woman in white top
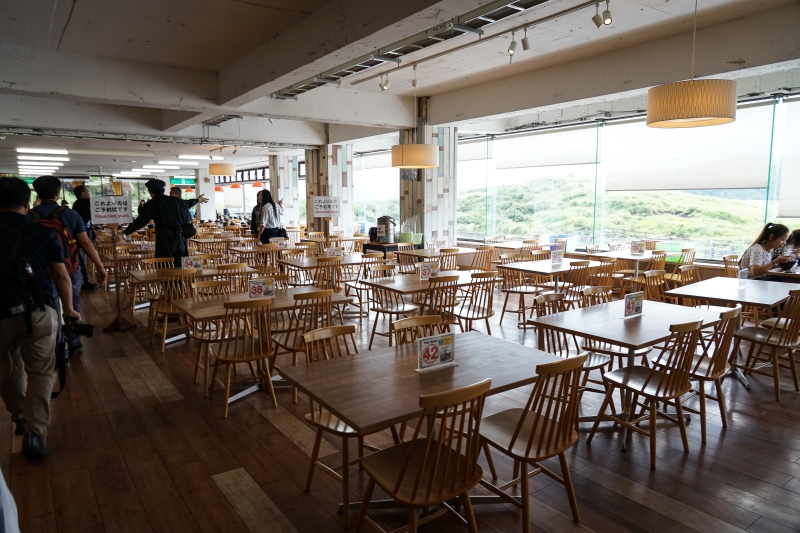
269,217
758,258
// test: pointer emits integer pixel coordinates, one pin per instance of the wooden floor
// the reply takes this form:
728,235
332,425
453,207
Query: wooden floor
134,446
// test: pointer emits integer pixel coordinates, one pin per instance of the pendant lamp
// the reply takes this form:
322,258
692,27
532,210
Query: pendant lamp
218,189
236,186
258,184
693,103
415,155
189,189
221,169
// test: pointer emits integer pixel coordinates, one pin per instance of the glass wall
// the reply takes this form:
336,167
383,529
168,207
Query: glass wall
376,190
710,188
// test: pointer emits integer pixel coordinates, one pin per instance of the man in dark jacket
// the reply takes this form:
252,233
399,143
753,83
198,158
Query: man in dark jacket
84,209
167,213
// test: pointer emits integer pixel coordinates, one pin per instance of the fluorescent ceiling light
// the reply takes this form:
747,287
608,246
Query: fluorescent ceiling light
185,163
43,169
205,157
39,164
147,170
42,151
163,167
41,158
127,175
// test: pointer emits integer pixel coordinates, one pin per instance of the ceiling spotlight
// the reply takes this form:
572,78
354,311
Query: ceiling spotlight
597,19
607,15
380,84
414,81
513,46
526,45
41,151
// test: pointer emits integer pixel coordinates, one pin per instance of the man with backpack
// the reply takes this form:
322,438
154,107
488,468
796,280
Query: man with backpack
72,231
83,207
28,303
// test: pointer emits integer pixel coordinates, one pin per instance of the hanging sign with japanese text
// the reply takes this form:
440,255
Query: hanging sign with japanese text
111,209
326,206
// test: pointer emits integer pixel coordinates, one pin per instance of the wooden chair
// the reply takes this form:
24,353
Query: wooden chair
655,386
448,259
515,282
316,235
235,274
327,274
309,248
212,260
177,285
406,264
293,233
388,303
245,340
480,303
206,332
325,344
545,428
149,291
561,244
606,274
731,263
441,298
429,471
632,283
592,249
686,258
596,296
312,311
575,280
655,286
481,260
361,289
712,366
774,344
408,330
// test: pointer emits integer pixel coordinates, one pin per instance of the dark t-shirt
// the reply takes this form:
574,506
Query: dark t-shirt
83,207
166,212
43,247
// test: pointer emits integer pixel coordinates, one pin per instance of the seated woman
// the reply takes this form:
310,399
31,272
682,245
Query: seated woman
758,258
792,248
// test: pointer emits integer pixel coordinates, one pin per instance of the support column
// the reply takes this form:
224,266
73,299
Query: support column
204,184
283,185
428,203
329,172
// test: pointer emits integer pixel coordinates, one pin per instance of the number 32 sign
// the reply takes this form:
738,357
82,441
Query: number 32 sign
436,352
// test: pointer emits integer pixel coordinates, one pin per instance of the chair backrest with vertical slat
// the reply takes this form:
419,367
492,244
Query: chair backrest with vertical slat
551,411
212,259
330,342
246,331
206,289
689,274
675,360
615,246
440,298
448,259
789,321
236,274
687,256
176,284
731,266
313,311
316,235
535,255
577,275
596,296
555,342
481,294
592,248
406,263
156,263
270,254
721,342
658,261
482,259
604,274
328,273
433,468
655,285
410,329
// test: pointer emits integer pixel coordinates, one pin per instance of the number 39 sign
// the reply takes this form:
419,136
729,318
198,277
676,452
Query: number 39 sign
436,352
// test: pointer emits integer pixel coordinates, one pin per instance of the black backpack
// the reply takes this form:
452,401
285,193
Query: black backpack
21,291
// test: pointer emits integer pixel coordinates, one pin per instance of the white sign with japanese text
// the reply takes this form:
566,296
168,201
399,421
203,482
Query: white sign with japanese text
326,206
633,304
436,352
111,209
261,288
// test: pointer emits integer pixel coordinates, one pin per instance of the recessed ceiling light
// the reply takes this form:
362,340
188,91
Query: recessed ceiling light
163,167
42,151
185,163
206,157
41,158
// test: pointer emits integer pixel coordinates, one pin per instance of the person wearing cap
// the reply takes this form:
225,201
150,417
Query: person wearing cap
167,212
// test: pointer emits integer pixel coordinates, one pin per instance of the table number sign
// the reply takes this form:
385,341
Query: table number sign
192,261
438,245
428,270
638,247
146,247
226,234
633,304
261,288
436,352
743,274
280,241
557,257
333,252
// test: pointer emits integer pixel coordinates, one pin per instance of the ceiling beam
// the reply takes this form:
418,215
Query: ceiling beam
333,35
732,49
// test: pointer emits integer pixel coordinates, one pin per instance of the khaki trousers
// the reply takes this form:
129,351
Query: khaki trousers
32,354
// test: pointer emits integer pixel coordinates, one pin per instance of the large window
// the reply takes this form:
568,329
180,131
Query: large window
376,190
709,188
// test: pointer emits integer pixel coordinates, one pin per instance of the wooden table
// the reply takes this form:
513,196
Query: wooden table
790,275
212,241
156,276
411,284
308,263
384,247
605,323
376,390
517,245
546,267
431,253
723,290
628,256
238,250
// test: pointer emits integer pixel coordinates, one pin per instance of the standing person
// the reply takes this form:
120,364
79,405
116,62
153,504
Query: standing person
270,217
83,207
28,317
255,217
167,212
72,231
758,259
139,209
175,192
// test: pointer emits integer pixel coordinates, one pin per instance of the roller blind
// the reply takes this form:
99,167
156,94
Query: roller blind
380,160
732,156
474,150
574,146
789,199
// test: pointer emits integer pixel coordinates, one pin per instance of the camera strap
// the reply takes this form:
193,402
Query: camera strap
61,366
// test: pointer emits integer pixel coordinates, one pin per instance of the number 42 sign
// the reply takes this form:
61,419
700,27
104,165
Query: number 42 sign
436,352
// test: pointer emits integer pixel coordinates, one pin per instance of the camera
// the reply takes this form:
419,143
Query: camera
71,327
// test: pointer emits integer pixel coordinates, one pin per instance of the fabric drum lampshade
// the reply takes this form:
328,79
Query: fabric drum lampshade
221,169
691,104
415,156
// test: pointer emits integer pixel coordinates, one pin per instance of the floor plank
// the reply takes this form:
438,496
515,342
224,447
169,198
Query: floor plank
255,508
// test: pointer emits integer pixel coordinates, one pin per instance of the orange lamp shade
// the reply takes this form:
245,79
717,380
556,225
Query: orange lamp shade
258,184
218,189
236,186
189,189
